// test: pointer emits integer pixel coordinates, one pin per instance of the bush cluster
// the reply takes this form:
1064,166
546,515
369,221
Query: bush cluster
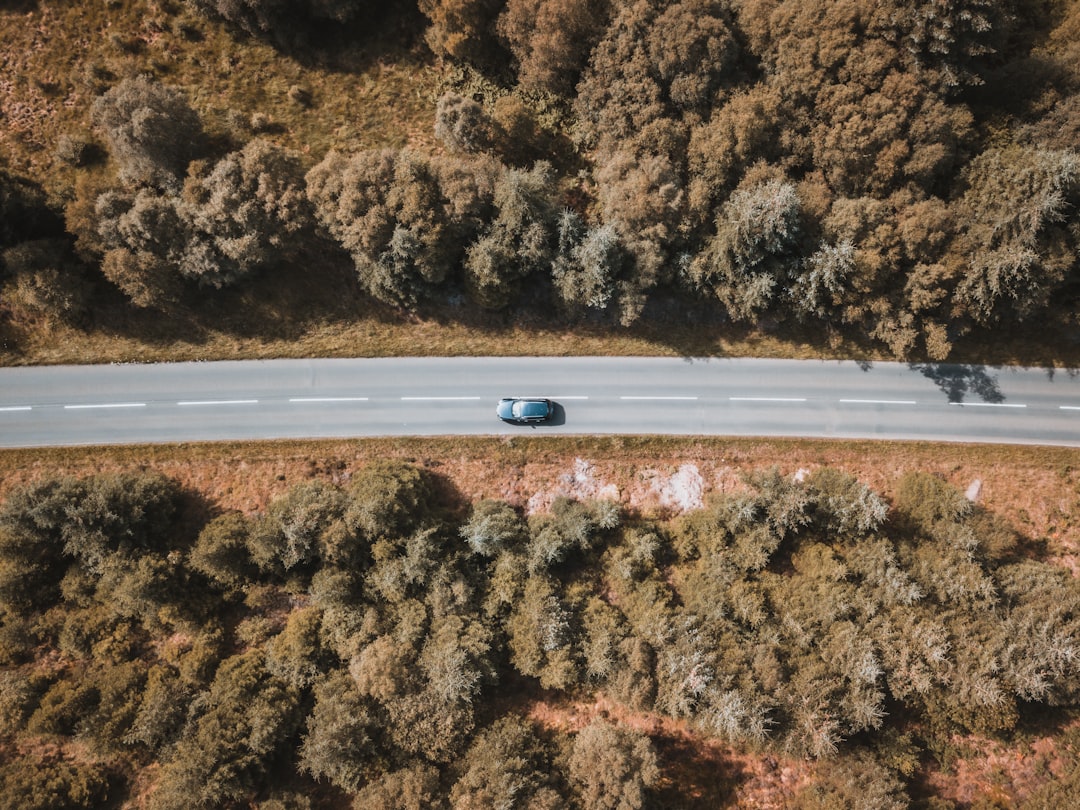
848,168
358,636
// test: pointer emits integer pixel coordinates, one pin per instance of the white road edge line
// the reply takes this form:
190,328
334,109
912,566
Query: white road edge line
989,404
681,398
105,405
767,399
880,401
219,402
437,399
328,399
15,408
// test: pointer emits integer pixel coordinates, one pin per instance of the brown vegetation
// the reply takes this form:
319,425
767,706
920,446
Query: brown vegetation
859,177
387,626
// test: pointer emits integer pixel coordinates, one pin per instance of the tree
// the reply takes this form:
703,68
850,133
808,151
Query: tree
43,784
541,633
738,133
245,717
756,231
843,505
587,262
612,767
296,654
249,210
492,527
386,209
388,498
506,766
517,242
290,535
47,279
693,49
221,551
857,780
655,61
339,743
151,130
461,124
570,526
551,40
412,788
147,280
462,29
641,197
1021,248
949,39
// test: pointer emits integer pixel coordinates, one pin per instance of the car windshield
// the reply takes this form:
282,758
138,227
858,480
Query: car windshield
524,409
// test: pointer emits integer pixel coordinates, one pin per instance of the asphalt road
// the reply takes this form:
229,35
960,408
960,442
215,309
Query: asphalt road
122,404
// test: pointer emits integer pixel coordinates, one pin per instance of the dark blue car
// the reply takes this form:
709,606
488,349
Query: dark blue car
524,410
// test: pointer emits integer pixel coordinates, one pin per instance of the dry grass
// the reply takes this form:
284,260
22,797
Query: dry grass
58,56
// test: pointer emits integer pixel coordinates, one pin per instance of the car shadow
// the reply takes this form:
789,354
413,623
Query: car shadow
558,415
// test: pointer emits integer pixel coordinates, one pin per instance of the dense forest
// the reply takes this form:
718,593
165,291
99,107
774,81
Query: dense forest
378,642
899,174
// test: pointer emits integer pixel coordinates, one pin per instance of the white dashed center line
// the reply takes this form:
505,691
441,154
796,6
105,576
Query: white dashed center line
15,408
438,399
767,399
328,399
105,405
662,398
989,404
880,401
219,402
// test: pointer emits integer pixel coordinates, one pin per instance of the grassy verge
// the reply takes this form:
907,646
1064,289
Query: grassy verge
1036,488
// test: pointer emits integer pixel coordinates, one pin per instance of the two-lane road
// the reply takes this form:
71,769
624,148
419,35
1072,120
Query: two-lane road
86,405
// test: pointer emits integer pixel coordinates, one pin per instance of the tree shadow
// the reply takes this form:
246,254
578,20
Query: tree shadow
959,381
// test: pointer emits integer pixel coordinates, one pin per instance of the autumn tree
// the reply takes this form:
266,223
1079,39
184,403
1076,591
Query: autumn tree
47,279
756,232
655,62
613,767
518,241
739,132
221,551
245,716
1019,241
388,498
493,526
290,535
551,40
462,29
151,130
950,40
586,264
542,631
415,787
461,123
339,742
249,210
506,765
387,210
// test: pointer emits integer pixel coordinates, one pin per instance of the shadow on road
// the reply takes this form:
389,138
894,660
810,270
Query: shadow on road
959,381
